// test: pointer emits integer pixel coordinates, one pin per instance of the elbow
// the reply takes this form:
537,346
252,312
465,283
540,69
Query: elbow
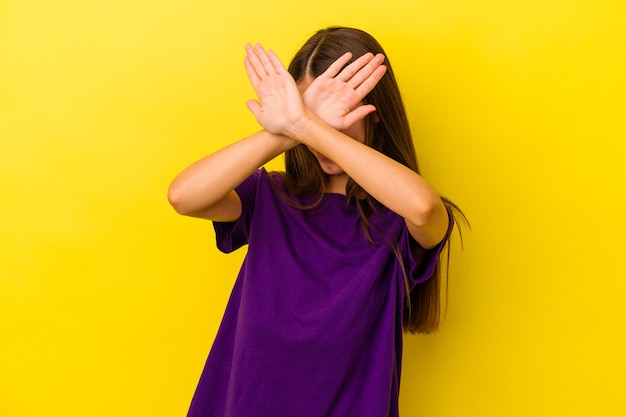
427,210
176,198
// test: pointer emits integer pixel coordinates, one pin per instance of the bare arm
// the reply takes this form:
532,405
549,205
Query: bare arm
205,189
282,110
397,187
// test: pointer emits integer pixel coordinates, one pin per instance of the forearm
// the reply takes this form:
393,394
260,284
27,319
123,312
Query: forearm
210,179
280,108
396,186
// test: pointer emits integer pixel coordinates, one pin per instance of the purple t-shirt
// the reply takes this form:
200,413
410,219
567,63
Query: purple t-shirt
313,327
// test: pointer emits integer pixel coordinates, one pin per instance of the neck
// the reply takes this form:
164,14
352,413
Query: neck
337,184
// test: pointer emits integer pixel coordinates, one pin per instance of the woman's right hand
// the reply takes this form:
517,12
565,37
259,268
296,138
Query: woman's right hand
336,96
279,108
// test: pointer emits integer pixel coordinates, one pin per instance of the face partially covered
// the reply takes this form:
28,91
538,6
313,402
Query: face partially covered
355,131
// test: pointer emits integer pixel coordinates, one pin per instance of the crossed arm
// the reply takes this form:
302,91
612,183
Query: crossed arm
329,105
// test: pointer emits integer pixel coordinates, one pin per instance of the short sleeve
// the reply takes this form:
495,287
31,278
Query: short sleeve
422,262
230,236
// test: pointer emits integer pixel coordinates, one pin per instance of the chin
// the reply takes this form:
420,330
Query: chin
331,169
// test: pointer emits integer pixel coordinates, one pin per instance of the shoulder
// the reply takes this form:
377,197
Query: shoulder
260,178
271,181
265,187
275,177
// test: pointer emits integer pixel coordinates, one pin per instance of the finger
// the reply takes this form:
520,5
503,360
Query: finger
348,72
336,66
370,82
254,62
276,62
254,106
357,114
252,75
366,71
265,61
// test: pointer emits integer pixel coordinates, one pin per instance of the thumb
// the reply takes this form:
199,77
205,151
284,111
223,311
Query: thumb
359,113
254,106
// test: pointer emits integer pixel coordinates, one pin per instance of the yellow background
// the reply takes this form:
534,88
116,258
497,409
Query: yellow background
109,301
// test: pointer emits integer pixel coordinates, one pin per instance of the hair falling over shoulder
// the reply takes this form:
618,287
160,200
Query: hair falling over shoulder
388,132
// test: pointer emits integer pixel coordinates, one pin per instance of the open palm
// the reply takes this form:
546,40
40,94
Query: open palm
279,106
336,95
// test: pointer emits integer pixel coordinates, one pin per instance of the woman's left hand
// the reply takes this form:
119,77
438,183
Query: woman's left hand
279,107
336,96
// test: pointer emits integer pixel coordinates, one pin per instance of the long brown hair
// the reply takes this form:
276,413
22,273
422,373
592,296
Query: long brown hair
388,132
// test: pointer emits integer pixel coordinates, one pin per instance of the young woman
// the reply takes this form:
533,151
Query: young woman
343,247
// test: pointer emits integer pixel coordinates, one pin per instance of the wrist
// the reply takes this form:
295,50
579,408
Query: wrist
300,129
279,143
